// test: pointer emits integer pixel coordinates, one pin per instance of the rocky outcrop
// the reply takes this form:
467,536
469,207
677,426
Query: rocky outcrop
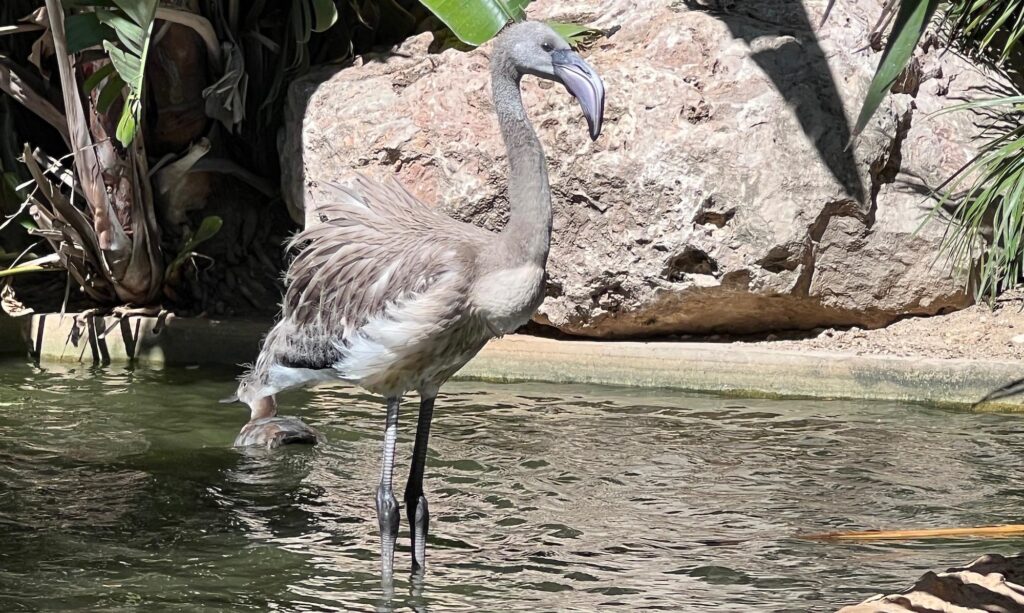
990,583
722,196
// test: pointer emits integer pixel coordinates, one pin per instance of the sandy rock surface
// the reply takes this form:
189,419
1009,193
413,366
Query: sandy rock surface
721,197
992,583
978,332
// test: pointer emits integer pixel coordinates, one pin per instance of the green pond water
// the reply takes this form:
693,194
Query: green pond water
119,491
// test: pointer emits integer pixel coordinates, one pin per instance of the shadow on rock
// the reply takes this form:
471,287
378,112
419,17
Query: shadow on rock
784,45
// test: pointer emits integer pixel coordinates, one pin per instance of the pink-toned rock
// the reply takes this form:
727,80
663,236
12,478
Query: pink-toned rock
721,196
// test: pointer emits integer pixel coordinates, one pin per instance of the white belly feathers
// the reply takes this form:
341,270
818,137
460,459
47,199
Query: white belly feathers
507,299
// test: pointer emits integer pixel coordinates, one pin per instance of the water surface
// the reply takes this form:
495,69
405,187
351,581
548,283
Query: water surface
119,491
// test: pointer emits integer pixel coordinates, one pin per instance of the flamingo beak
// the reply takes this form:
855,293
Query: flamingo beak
582,82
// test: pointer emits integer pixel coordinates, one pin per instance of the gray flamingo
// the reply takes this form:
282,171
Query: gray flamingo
393,296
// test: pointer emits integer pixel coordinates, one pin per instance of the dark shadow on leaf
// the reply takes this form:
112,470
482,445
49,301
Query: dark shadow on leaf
799,71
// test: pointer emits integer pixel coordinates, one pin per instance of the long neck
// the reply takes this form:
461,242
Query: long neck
528,232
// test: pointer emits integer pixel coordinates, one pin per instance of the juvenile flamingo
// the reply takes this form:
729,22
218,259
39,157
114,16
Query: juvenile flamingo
393,296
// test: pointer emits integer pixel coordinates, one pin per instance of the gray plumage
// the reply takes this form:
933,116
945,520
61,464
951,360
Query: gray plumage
391,295
380,294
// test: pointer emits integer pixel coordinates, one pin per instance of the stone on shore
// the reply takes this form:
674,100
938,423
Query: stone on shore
989,584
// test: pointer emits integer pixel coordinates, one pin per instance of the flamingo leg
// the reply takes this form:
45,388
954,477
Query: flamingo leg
387,505
415,501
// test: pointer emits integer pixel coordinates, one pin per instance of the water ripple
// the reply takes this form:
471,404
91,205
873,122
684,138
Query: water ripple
118,491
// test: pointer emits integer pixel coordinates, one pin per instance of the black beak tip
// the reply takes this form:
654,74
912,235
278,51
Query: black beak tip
594,124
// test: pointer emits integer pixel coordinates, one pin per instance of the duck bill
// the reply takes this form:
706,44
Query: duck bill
583,83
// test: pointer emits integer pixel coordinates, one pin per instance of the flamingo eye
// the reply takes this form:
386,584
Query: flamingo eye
547,47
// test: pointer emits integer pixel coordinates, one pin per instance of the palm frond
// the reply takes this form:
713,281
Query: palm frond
992,28
987,222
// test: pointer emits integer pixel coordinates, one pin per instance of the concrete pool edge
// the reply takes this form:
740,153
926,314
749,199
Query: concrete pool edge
736,369
725,368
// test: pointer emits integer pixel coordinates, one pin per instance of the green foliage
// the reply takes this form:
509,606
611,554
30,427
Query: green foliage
43,264
21,269
124,29
910,24
9,196
134,28
990,27
476,21
986,196
258,49
209,228
984,27
85,30
986,226
325,15
575,34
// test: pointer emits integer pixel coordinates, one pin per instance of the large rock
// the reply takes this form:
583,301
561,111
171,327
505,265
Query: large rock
721,196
